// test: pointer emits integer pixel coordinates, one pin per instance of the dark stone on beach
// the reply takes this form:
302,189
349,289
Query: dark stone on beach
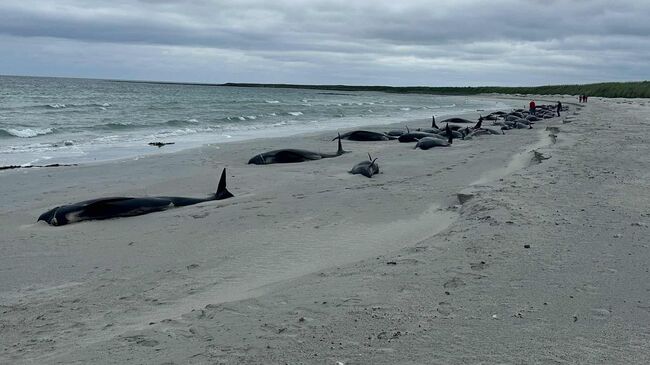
391,263
526,246
160,144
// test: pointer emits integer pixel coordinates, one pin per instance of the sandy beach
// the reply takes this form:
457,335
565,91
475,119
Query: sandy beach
543,259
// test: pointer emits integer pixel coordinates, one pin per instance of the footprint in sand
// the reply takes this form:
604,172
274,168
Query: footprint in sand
445,308
478,265
600,313
142,341
588,289
454,283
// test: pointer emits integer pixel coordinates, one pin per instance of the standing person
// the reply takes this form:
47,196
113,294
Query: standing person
559,107
585,98
532,107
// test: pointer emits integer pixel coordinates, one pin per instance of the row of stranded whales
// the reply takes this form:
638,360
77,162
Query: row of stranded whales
114,207
291,155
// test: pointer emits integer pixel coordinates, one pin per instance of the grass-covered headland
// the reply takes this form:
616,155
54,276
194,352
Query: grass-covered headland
640,89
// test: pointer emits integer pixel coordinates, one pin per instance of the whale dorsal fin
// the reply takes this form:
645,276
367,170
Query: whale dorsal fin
340,150
222,192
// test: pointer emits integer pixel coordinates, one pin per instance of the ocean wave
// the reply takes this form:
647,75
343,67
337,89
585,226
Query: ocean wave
119,126
181,122
181,132
295,114
405,109
25,132
441,106
102,106
272,101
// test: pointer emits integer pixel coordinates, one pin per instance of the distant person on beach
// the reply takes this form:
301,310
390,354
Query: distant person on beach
559,107
532,107
585,97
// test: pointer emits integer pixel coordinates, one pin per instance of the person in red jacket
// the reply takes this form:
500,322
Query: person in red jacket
532,107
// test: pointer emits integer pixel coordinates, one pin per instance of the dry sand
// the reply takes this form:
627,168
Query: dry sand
309,264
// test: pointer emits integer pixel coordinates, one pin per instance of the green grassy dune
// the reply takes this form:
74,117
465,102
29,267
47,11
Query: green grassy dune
640,89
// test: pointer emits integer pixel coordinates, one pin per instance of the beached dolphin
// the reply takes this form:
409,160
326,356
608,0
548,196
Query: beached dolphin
483,132
364,136
456,120
428,142
415,136
395,132
290,155
114,207
366,168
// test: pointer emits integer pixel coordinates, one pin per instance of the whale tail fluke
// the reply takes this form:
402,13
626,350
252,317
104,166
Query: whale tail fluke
371,170
222,192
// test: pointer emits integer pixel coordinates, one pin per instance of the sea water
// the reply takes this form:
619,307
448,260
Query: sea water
62,120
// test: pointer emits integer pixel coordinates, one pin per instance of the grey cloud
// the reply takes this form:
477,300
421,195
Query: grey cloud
379,40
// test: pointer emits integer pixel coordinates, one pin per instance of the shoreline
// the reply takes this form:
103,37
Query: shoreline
309,263
178,147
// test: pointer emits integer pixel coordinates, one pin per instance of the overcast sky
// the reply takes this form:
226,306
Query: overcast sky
369,42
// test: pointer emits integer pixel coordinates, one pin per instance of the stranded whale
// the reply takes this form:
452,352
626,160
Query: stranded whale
113,207
290,155
365,136
366,168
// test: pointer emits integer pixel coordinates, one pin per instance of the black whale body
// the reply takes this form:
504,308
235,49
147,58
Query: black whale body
291,155
365,136
114,207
